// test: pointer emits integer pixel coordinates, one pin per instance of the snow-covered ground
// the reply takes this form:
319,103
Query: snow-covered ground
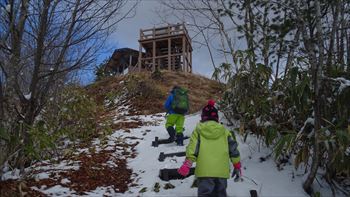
269,181
264,177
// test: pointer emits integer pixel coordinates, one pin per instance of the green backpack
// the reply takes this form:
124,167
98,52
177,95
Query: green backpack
180,103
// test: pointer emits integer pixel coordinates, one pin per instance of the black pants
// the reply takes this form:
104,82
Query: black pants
212,187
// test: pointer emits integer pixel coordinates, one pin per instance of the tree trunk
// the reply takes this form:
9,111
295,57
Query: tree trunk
278,60
291,52
30,104
266,47
336,54
223,31
279,52
317,66
222,37
348,51
16,29
2,114
342,36
249,31
332,37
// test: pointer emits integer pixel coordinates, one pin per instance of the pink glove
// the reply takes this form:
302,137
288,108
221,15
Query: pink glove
237,166
237,172
184,170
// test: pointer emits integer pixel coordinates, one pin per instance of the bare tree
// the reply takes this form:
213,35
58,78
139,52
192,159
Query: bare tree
316,61
204,16
229,21
42,41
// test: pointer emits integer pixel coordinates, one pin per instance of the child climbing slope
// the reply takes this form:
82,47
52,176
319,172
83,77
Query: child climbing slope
212,147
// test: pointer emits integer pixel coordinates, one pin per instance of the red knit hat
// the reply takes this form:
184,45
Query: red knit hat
211,102
209,112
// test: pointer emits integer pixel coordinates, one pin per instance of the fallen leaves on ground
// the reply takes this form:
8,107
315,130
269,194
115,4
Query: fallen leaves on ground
10,188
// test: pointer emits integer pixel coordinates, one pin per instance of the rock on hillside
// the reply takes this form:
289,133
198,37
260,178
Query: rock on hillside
147,92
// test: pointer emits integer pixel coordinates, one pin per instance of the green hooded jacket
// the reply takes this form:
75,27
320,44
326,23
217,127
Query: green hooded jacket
212,147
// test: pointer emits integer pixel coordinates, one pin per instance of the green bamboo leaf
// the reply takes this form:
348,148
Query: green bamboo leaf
271,134
285,142
4,135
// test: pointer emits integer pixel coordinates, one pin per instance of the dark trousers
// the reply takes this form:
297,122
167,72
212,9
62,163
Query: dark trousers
212,187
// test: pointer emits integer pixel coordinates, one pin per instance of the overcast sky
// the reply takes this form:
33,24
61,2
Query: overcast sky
127,35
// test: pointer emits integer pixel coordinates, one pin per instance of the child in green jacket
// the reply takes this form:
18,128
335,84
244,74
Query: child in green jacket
212,147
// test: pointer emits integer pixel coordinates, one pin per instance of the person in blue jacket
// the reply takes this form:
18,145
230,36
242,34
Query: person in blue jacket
174,119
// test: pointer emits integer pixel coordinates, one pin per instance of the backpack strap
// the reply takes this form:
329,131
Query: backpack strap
196,152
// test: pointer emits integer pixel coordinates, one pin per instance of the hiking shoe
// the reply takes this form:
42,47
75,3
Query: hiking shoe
180,139
171,132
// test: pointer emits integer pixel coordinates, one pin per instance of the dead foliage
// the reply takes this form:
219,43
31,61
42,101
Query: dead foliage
148,94
95,173
127,125
100,89
14,188
107,168
200,90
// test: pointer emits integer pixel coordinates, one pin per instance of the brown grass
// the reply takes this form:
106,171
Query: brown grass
100,89
152,93
14,188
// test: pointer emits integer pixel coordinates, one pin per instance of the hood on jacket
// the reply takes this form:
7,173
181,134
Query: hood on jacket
211,129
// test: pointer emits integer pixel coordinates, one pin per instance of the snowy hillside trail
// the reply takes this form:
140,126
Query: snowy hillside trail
105,166
261,176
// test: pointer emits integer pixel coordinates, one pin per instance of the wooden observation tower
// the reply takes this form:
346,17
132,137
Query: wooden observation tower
167,47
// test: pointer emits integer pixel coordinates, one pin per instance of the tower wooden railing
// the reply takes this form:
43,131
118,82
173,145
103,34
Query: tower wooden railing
166,47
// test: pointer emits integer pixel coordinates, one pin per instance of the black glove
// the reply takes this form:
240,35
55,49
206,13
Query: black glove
236,175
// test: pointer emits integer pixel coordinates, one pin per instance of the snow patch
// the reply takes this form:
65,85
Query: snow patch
43,175
347,151
309,120
65,181
96,142
14,174
62,166
8,8
5,168
267,124
343,83
102,191
57,190
28,96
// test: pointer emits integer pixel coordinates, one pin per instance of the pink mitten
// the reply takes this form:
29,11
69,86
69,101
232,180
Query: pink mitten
237,172
185,168
237,166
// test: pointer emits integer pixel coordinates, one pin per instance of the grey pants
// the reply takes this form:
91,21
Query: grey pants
212,187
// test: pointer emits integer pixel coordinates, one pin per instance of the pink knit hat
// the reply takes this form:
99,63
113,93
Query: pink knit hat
209,112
